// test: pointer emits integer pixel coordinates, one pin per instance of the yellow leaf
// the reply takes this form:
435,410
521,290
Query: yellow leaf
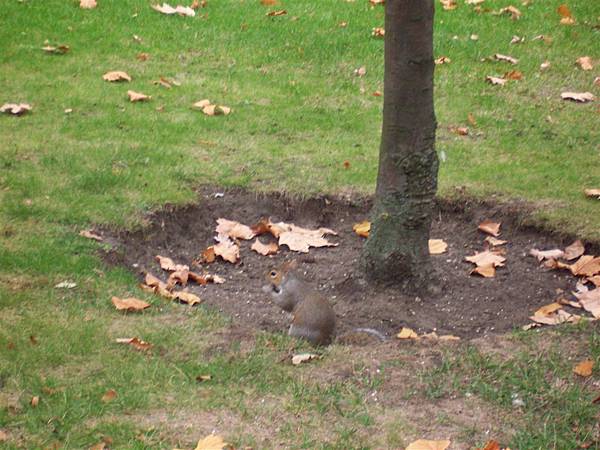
548,310
362,228
584,368
407,333
212,442
437,246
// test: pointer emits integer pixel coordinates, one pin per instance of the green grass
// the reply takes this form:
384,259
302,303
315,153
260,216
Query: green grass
298,114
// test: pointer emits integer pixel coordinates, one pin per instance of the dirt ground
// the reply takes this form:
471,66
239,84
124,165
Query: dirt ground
469,306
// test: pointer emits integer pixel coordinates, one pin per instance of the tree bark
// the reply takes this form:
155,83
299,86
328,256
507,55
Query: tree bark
397,248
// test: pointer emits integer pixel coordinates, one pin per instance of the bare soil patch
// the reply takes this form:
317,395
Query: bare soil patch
469,306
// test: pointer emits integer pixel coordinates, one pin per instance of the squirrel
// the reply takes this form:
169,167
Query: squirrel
313,317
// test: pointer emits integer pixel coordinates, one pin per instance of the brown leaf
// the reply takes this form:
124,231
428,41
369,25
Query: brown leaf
377,2
280,12
212,442
142,56
567,21
165,8
509,59
87,4
362,228
487,271
546,254
575,250
487,258
202,378
517,40
169,265
378,32
424,444
187,297
233,229
581,97
584,368
592,193
461,131
216,110
407,333
513,75
489,227
35,400
596,400
197,278
514,13
109,396
58,50
158,287
227,249
491,445
495,80
138,96
208,256
361,71
595,280
570,303
471,119
564,11
585,62
548,310
129,304
269,2
16,109
442,60
557,318
3,436
116,75
590,300
136,343
265,249
91,235
494,241
586,265
437,246
179,276
449,5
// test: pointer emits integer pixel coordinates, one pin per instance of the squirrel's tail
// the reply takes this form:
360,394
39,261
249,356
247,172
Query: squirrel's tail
378,334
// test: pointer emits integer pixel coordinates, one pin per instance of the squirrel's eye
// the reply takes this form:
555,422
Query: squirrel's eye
273,273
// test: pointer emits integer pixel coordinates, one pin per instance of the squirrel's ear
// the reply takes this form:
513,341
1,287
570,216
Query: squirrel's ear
289,265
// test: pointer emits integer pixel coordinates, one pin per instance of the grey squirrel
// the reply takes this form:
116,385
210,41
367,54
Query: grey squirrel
313,318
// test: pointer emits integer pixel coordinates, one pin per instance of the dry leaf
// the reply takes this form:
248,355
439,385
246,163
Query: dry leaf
585,62
595,280
597,81
449,5
142,56
407,333
3,436
280,12
544,65
137,96
377,2
513,75
548,310
234,229
494,241
486,271
269,2
517,40
227,249
592,193
362,228
129,304
187,297
529,326
567,21
448,337
16,109
212,442
156,286
570,303
584,368
492,445
179,276
65,285
474,2
35,401
109,396
378,32
87,4
510,59
424,444
265,249
461,131
564,11
437,246
557,318
136,343
590,301
116,75
471,119
487,258
495,80
514,13
169,265
202,378
216,110
303,357
201,104
165,8
90,235
58,50
582,97
442,60
208,256
361,71
575,250
489,227
546,254
586,265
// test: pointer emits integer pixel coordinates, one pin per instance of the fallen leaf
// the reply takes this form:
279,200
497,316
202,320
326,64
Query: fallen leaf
575,250
300,239
509,59
208,256
202,378
597,81
424,444
280,12
169,265
116,75
449,5
362,228
595,280
407,333
557,318
216,110
234,229
90,235
303,357
165,8
129,304
585,62
546,254
486,271
377,2
138,96
265,249
377,94
474,37
586,265
564,11
16,109
187,297
156,286
517,40
448,337
109,396
489,227
513,75
227,249
494,241
3,436
461,131
87,4
495,80
567,21
361,71
584,368
378,32
590,301
343,24
529,326
592,193
544,65
442,60
514,13
269,2
437,246
582,97
35,400
474,2
65,285
548,310
142,56
491,445
58,50
542,37
136,343
487,258
570,303
212,442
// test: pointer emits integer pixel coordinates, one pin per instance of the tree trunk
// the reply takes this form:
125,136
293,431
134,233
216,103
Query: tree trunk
397,248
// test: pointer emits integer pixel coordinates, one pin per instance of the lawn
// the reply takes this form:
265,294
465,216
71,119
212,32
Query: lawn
304,123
